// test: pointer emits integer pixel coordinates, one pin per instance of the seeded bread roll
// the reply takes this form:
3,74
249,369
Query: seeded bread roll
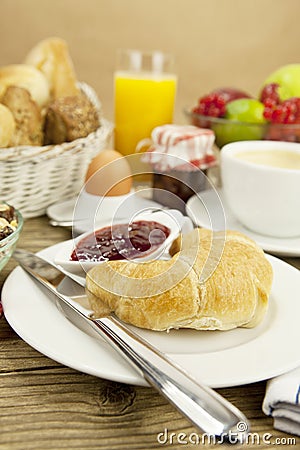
7,126
233,294
27,116
51,56
70,118
27,77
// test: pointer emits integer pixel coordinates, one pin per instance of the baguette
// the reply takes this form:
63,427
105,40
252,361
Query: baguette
7,126
51,56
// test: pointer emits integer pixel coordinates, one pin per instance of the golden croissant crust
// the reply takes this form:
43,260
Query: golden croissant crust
212,282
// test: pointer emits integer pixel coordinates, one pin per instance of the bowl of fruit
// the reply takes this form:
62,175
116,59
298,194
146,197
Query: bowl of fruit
11,224
235,115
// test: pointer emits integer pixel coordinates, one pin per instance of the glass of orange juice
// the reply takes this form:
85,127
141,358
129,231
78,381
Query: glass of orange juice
144,96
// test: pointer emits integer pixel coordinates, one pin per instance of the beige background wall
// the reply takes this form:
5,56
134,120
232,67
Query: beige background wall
215,42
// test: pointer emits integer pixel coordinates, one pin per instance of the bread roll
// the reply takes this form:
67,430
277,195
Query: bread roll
214,293
27,77
27,117
7,126
51,57
70,118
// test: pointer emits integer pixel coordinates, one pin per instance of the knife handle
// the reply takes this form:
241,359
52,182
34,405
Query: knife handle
204,407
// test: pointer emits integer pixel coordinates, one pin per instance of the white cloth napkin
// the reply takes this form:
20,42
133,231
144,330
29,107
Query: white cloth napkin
282,402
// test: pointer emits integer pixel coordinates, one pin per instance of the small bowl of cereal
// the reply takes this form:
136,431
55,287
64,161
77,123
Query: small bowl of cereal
11,224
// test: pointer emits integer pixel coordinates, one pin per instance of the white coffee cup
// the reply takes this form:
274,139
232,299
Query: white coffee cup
261,188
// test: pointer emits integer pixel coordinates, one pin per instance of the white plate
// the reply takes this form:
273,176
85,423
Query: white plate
64,211
216,358
198,213
173,219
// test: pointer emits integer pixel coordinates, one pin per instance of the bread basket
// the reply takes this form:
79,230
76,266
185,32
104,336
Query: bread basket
32,178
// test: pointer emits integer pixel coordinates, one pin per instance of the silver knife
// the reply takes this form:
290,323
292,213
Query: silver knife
204,407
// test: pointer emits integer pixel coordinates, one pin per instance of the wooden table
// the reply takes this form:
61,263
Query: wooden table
45,405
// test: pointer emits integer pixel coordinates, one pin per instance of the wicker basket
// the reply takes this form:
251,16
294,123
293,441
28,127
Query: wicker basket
32,178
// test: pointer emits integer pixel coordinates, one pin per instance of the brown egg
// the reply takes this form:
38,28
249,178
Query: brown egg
108,174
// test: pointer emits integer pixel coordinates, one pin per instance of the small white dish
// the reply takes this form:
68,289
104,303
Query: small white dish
173,219
197,211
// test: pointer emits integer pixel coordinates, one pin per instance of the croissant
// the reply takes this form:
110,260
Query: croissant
213,281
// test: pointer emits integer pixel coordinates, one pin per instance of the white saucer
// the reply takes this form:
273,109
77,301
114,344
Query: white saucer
197,211
64,211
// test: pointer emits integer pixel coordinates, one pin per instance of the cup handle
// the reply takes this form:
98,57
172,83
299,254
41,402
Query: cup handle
143,143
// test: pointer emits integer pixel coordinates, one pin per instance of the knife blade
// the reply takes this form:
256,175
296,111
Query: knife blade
205,408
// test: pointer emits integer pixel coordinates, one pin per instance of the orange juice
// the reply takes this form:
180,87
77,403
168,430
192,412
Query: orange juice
143,101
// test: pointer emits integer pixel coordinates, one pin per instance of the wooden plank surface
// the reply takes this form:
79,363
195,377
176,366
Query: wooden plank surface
45,405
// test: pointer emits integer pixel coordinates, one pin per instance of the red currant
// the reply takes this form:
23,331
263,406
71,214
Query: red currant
214,104
270,93
285,112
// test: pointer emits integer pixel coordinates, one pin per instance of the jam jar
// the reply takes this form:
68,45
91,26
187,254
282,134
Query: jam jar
180,156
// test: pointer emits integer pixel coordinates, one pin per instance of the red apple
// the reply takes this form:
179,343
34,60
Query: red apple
214,104
229,94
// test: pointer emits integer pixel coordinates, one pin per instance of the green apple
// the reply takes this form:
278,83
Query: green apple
246,110
288,78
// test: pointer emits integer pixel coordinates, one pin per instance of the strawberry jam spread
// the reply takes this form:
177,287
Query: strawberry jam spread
121,241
